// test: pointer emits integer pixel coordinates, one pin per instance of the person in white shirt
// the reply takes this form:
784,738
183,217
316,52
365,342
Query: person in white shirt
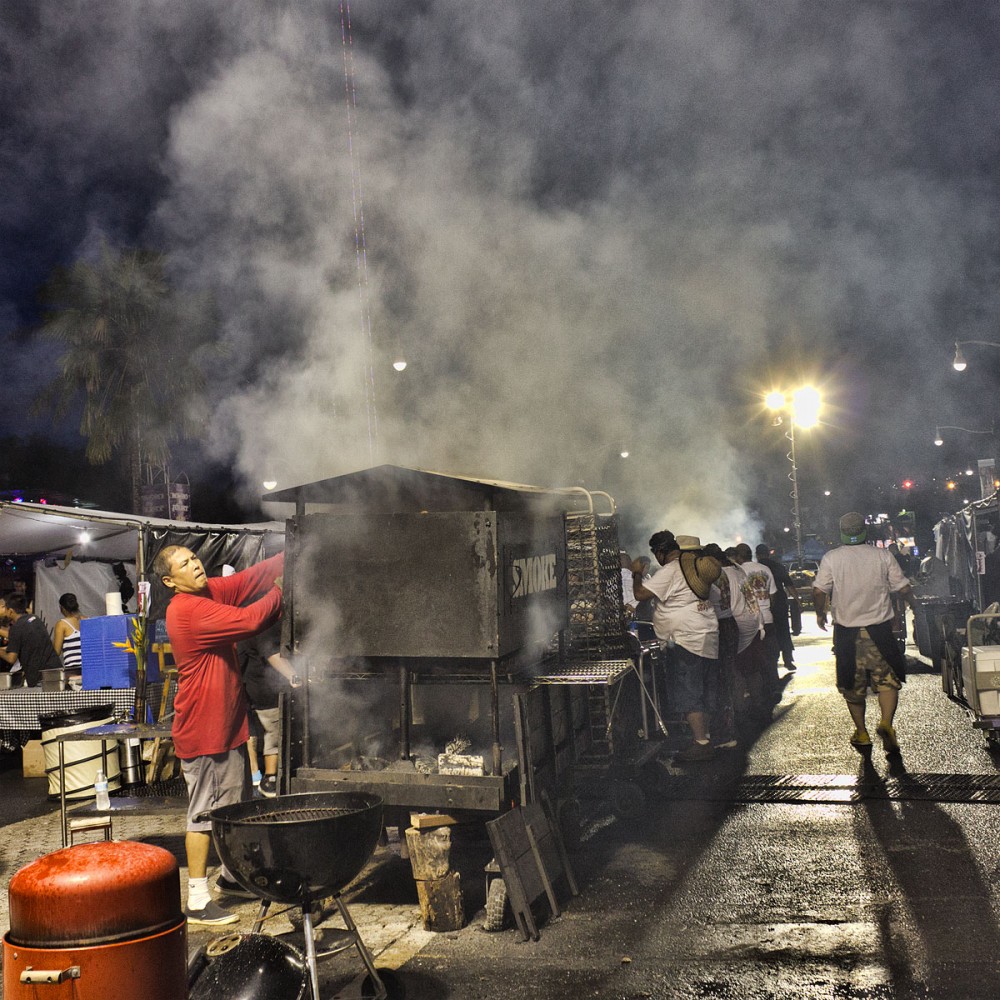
726,592
858,580
763,583
753,667
686,626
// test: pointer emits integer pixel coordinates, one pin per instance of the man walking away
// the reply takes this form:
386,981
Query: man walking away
858,580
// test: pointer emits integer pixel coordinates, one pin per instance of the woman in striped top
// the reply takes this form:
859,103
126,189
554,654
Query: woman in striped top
67,634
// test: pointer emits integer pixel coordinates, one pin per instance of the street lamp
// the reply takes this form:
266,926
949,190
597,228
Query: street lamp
939,440
803,407
959,363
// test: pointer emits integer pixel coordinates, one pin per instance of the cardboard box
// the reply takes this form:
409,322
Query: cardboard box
33,759
105,645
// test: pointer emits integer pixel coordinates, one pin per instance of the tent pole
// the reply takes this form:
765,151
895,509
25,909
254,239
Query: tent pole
140,554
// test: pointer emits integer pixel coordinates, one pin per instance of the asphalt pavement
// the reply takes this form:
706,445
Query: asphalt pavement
790,868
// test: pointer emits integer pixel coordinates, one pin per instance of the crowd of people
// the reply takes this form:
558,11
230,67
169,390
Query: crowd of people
713,612
725,619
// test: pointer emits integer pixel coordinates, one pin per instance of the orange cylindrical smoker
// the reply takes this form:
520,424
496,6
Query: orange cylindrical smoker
97,921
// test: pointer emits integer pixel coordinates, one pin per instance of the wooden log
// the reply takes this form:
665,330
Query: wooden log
430,852
441,904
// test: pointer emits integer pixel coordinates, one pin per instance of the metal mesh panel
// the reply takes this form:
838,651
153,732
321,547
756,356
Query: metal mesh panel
593,566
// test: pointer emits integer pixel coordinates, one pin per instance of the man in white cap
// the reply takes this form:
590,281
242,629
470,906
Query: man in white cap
859,579
685,624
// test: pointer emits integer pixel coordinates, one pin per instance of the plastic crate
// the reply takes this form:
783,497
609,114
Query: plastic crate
107,661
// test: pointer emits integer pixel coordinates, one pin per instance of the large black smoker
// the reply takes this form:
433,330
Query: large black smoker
427,607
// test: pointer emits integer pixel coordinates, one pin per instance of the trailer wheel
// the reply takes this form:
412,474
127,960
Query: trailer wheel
496,905
628,800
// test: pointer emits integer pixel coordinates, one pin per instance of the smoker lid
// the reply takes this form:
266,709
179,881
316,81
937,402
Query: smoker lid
397,488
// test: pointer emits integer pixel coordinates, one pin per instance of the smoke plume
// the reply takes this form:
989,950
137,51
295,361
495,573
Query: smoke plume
588,228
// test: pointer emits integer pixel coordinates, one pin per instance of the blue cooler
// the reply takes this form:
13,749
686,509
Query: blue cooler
105,645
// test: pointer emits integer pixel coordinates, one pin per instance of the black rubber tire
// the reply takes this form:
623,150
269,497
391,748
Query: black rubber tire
496,906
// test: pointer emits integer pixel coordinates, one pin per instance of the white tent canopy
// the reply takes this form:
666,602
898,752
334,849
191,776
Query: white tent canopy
43,530
93,540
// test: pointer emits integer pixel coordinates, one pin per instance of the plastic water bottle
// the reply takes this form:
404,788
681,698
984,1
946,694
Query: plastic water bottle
101,789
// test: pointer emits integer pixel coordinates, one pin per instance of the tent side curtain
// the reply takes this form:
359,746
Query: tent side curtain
239,549
89,582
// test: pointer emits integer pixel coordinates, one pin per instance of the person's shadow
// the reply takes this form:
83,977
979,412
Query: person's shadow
939,934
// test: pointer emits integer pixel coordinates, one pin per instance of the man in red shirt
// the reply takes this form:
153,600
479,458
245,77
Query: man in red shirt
205,619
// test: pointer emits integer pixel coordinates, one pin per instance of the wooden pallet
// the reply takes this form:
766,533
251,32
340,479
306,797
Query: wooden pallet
532,860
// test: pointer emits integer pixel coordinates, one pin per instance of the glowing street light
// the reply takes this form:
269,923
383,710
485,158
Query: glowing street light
959,363
399,364
803,405
939,440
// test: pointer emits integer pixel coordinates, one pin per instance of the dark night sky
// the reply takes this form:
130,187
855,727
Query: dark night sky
587,226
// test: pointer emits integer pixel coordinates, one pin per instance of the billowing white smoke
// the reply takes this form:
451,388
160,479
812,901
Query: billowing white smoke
588,227
540,340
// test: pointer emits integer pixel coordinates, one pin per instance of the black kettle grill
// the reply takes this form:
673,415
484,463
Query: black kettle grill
296,849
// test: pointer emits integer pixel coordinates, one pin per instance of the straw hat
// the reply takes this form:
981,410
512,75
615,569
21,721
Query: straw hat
700,572
688,542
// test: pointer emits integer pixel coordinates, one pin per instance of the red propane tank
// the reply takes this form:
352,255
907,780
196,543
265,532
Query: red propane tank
97,921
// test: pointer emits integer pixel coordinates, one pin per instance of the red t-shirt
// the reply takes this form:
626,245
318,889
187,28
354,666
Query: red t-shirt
210,708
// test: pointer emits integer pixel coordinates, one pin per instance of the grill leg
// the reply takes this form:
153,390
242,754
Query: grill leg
366,955
307,930
265,905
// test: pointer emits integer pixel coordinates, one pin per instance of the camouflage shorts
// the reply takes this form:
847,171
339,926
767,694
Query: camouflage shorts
871,671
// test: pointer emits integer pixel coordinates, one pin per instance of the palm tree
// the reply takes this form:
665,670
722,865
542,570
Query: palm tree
131,348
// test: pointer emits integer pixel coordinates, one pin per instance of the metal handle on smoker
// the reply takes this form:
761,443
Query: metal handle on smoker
39,977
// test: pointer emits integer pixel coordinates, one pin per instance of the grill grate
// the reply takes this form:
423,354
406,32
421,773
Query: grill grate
606,672
833,788
297,815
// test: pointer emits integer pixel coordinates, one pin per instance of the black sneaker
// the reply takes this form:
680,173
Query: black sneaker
210,915
231,888
269,786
